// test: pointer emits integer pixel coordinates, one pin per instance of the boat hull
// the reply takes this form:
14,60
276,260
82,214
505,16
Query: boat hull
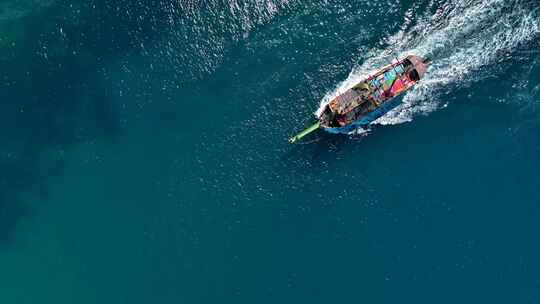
370,99
367,119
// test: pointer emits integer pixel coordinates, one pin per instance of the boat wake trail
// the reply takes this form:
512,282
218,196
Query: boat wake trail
462,37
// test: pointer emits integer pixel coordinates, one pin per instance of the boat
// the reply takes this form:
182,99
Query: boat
369,99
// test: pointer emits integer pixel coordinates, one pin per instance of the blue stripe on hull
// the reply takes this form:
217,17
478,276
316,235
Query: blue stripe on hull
368,118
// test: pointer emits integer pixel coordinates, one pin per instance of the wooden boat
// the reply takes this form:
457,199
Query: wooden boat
371,98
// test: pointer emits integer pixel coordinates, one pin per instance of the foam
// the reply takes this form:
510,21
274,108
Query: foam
461,38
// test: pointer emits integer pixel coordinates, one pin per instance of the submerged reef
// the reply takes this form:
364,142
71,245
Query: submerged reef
53,96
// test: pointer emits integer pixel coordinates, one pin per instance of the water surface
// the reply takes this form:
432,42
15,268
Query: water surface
145,154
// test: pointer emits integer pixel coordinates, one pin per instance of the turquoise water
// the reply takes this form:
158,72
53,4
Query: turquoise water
145,155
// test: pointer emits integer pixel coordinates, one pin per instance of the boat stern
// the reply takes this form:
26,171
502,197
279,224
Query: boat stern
420,64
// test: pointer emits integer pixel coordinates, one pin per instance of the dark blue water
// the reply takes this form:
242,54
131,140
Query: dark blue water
144,153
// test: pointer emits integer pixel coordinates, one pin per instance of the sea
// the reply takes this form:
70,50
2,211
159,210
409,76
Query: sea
144,153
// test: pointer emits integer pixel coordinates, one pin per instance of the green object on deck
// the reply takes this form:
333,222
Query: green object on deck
299,136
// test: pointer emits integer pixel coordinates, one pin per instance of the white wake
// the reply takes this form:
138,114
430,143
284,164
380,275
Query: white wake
461,37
